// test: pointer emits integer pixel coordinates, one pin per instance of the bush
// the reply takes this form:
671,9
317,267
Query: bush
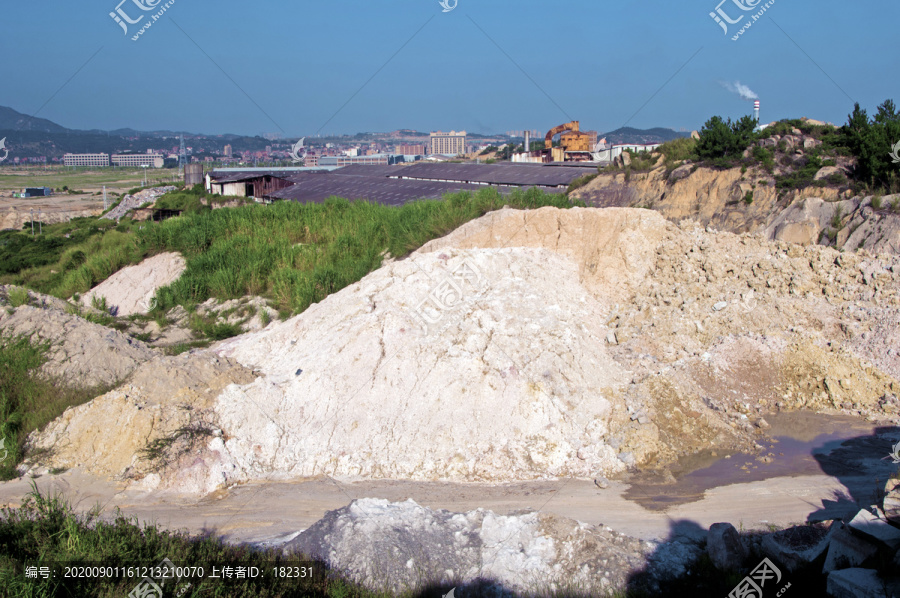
679,149
723,140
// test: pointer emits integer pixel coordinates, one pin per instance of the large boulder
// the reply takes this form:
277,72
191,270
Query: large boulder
798,546
725,548
892,500
859,583
875,528
847,550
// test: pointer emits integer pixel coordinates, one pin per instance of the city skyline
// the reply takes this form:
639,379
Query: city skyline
352,67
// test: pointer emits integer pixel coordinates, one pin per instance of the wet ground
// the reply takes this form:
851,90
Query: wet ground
797,444
822,467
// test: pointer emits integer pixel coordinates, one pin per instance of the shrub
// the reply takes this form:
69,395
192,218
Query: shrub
722,139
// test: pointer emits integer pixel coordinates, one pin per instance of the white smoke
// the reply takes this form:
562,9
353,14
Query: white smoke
742,90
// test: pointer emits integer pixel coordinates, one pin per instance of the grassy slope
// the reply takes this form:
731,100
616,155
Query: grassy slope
295,254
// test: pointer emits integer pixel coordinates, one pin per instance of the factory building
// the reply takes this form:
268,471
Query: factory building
86,159
148,159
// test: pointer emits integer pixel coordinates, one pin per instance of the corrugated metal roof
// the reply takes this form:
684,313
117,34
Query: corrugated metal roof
234,176
387,191
496,174
375,170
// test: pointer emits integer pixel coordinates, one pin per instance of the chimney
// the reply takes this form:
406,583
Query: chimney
756,111
526,146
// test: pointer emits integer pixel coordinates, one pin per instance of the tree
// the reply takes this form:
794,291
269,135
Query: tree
722,139
871,142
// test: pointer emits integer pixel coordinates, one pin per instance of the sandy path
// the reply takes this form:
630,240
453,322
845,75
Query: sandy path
273,512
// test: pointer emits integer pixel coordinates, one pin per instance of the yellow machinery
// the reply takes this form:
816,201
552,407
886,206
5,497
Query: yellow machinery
571,140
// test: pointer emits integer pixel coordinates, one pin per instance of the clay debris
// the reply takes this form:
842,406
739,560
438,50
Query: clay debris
130,202
549,343
82,353
131,290
528,552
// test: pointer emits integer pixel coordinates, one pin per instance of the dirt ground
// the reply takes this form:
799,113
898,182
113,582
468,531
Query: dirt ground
826,484
14,211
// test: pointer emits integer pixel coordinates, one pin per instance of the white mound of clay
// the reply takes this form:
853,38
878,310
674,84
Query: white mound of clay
401,547
130,290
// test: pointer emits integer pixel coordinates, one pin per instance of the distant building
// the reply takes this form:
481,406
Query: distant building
452,143
150,160
381,159
86,159
229,152
410,149
36,191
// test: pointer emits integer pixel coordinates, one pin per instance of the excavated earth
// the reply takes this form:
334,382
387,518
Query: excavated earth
524,349
533,345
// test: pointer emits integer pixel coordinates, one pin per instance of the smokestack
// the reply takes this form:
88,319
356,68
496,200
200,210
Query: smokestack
756,111
527,138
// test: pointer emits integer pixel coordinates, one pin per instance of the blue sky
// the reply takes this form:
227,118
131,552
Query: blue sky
294,67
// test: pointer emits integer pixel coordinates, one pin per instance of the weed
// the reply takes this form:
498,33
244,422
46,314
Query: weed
748,197
876,202
265,317
98,302
18,296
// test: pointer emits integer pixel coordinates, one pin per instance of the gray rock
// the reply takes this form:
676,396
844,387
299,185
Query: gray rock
846,550
398,547
724,546
798,546
875,528
720,305
856,583
892,500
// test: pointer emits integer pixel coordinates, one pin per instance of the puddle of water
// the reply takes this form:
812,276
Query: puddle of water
798,443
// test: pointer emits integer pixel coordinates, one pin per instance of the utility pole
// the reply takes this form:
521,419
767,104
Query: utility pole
105,206
32,222
40,223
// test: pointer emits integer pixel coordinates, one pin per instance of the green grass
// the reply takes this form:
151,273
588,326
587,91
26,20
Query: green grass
294,254
29,400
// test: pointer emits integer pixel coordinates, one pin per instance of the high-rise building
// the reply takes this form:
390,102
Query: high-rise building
451,143
86,159
228,151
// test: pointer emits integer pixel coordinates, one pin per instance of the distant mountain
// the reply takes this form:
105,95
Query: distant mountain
16,121
631,135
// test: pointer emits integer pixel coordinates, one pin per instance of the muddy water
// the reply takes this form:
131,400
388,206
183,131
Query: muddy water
797,444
